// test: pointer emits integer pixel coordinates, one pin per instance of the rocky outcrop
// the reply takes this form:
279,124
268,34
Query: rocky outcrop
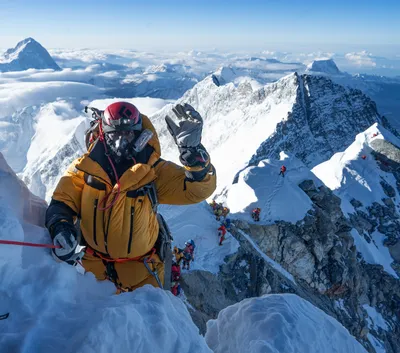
319,252
324,120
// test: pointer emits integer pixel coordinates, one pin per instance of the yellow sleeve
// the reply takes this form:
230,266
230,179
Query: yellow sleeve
174,188
69,188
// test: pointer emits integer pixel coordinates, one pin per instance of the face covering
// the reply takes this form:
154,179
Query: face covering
120,144
126,144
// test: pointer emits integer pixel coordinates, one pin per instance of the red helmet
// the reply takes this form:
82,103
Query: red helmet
121,116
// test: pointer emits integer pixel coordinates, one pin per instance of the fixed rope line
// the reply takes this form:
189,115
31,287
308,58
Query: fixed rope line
23,243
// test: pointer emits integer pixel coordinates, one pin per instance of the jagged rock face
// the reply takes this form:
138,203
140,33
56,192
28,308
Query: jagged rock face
319,252
28,54
324,120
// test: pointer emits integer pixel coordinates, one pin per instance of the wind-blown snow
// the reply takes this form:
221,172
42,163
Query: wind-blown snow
278,323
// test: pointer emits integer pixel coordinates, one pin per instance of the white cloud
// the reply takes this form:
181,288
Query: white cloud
362,58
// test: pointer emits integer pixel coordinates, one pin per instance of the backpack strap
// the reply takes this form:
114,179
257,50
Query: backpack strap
150,191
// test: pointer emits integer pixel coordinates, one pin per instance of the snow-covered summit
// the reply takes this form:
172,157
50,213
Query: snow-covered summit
324,66
27,54
307,116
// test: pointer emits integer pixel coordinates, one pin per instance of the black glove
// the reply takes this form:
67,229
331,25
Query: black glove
187,136
64,235
188,132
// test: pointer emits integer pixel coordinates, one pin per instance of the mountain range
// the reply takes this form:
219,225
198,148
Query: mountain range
328,230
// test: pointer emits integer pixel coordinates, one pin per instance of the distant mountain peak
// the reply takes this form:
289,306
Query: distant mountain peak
326,66
27,54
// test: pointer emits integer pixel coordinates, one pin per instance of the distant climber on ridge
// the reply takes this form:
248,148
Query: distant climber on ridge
188,254
178,253
218,212
283,170
175,277
213,205
221,234
255,214
115,188
225,212
227,224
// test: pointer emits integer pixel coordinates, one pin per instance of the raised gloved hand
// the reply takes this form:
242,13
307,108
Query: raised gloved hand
188,132
187,135
64,235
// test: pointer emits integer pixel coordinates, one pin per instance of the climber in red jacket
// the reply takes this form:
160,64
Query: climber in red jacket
255,214
283,170
221,233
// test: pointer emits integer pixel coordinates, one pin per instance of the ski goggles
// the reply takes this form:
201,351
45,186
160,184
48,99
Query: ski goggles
123,123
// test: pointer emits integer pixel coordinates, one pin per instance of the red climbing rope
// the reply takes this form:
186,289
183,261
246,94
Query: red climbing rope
36,245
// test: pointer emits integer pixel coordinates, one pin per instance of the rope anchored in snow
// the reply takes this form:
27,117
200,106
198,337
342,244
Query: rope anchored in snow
36,245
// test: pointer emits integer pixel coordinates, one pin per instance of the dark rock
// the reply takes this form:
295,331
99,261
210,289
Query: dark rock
307,186
388,189
355,203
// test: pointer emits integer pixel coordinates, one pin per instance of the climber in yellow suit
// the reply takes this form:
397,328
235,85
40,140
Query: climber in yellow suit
115,188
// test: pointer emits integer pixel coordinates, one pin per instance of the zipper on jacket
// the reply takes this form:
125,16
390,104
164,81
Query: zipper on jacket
131,230
94,220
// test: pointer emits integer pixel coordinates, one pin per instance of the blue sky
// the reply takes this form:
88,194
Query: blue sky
204,24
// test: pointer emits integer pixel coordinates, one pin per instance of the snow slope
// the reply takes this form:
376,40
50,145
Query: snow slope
278,323
198,223
279,198
19,200
53,308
